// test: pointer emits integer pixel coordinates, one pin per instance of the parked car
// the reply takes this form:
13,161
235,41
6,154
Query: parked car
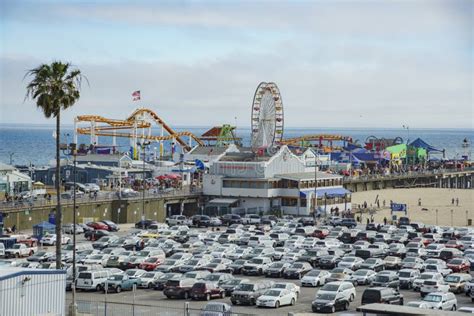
50,240
382,295
144,224
249,292
315,277
297,270
111,226
345,290
457,281
98,225
407,277
363,277
178,288
229,219
120,282
277,269
216,309
207,291
443,301
276,298
459,265
433,286
231,284
387,279
201,221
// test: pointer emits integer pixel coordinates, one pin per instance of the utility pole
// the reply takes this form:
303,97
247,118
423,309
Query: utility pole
11,158
315,184
143,147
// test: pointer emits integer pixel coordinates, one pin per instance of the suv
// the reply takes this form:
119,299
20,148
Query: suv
178,288
177,220
248,292
348,222
382,295
251,219
443,301
229,219
297,270
256,266
343,289
206,290
407,277
433,286
201,221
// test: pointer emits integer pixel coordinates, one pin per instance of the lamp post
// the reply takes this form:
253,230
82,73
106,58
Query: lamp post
452,218
143,145
315,185
408,139
11,158
436,217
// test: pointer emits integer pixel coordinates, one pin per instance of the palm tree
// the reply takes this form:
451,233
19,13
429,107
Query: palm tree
55,87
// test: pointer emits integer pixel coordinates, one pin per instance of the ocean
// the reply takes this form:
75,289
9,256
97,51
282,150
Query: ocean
36,145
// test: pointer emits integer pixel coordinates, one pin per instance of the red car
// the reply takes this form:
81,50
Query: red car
98,225
459,265
455,244
206,291
423,240
320,233
150,263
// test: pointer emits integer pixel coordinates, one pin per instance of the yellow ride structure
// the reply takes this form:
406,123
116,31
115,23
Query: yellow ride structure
135,127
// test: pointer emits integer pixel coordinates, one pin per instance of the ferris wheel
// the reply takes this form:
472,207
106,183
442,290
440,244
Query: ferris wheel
267,116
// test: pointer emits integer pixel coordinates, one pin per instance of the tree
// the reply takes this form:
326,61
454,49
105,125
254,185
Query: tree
55,87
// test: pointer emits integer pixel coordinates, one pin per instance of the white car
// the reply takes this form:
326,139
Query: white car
443,301
276,298
50,240
97,259
434,286
315,277
363,276
288,286
424,277
251,219
147,279
346,289
178,220
352,263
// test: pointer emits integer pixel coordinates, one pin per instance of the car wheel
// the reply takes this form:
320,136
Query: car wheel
277,304
223,294
351,298
186,295
208,297
150,285
401,301
346,306
118,289
453,308
333,309
293,302
317,284
98,288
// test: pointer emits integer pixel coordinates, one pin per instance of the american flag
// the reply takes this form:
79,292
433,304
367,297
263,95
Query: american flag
136,95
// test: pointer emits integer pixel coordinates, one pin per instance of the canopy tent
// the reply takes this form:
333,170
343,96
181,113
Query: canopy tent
329,192
419,143
38,183
223,201
39,230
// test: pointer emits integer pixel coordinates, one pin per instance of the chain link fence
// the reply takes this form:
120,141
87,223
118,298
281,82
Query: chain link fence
101,308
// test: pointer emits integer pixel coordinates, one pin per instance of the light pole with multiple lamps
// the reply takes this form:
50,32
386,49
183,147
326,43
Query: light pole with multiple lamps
143,146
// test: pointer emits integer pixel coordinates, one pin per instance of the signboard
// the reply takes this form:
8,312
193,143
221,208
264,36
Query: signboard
398,207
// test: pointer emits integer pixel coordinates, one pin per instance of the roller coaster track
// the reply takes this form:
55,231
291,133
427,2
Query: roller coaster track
140,118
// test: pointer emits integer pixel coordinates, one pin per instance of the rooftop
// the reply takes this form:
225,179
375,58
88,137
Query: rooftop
5,167
208,150
307,176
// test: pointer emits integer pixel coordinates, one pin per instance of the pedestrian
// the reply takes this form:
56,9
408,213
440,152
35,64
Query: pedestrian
383,203
452,201
457,201
378,204
419,201
368,221
385,221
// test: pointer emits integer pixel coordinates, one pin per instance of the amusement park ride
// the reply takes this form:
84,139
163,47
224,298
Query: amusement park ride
267,124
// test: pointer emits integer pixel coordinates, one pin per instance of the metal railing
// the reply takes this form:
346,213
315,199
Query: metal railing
102,197
103,308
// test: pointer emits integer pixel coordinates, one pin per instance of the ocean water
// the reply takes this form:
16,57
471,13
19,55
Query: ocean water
36,145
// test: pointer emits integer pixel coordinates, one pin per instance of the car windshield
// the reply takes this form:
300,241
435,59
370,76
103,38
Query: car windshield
277,265
116,277
426,276
272,293
234,282
404,274
326,296
432,298
239,262
348,259
360,272
279,286
382,278
330,287
245,287
371,261
257,261
452,278
148,275
212,277
456,261
313,273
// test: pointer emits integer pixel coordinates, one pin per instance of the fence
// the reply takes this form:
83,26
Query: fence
101,308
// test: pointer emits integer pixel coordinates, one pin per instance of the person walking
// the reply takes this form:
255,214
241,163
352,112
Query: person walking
385,220
457,201
452,201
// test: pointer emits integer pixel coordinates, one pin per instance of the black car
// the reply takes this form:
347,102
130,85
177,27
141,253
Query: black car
144,224
201,220
382,295
313,255
229,219
96,234
237,266
112,227
297,270
328,303
371,226
277,269
329,262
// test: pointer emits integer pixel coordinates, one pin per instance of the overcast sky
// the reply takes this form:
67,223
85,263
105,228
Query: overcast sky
197,63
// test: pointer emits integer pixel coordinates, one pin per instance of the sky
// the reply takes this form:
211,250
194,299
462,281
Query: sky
367,63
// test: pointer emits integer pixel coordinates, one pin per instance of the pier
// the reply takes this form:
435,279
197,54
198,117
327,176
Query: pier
452,179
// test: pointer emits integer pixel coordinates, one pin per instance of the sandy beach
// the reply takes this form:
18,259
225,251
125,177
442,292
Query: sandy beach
432,199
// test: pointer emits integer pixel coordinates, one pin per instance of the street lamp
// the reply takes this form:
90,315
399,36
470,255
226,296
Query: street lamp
72,147
436,217
452,211
143,145
315,184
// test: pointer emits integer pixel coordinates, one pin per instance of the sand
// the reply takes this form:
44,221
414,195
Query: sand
432,199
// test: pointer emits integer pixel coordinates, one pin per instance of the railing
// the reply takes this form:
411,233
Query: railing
403,175
103,308
102,197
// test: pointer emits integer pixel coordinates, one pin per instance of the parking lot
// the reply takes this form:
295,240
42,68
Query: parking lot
303,305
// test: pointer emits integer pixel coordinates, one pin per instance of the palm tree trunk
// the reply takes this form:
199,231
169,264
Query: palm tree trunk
58,193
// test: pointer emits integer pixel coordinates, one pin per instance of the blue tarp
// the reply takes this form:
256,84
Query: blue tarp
420,143
329,192
39,230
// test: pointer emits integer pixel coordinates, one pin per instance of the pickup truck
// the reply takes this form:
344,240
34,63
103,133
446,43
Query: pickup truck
20,250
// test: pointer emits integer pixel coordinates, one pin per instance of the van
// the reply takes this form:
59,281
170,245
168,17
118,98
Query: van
92,280
382,295
439,300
